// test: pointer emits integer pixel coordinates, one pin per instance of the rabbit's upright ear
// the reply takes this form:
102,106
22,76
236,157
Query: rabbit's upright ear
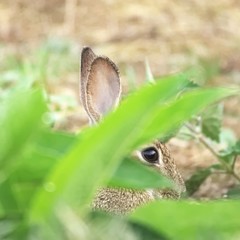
87,58
103,88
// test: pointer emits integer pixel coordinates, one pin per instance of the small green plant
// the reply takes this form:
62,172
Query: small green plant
40,67
48,178
206,129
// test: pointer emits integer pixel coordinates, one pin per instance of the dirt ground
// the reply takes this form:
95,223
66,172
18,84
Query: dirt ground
172,35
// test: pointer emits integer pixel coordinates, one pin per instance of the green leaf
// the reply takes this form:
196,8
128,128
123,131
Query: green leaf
191,220
8,199
194,182
194,77
108,226
21,115
132,174
171,115
227,137
55,141
41,153
234,193
226,155
230,152
236,148
211,122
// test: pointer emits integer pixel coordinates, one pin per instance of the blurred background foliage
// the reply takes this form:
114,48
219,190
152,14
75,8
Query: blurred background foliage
40,44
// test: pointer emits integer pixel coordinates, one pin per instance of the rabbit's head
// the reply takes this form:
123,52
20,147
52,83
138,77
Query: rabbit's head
100,90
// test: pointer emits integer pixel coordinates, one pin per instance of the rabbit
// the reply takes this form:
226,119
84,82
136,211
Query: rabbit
100,92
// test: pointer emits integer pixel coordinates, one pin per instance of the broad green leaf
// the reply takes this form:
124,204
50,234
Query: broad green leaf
8,199
42,152
191,220
170,116
116,227
211,121
132,174
20,116
55,141
144,232
234,193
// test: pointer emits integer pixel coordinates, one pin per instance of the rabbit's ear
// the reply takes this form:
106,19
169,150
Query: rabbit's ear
102,88
87,58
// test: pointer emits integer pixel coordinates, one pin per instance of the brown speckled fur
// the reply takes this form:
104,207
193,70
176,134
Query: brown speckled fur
119,201
170,169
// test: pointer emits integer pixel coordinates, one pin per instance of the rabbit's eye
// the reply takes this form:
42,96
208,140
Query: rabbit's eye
150,155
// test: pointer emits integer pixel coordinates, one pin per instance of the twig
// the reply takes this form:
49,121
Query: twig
234,162
233,168
201,139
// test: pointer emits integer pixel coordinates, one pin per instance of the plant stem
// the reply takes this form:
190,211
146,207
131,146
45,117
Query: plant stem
201,139
234,161
233,168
